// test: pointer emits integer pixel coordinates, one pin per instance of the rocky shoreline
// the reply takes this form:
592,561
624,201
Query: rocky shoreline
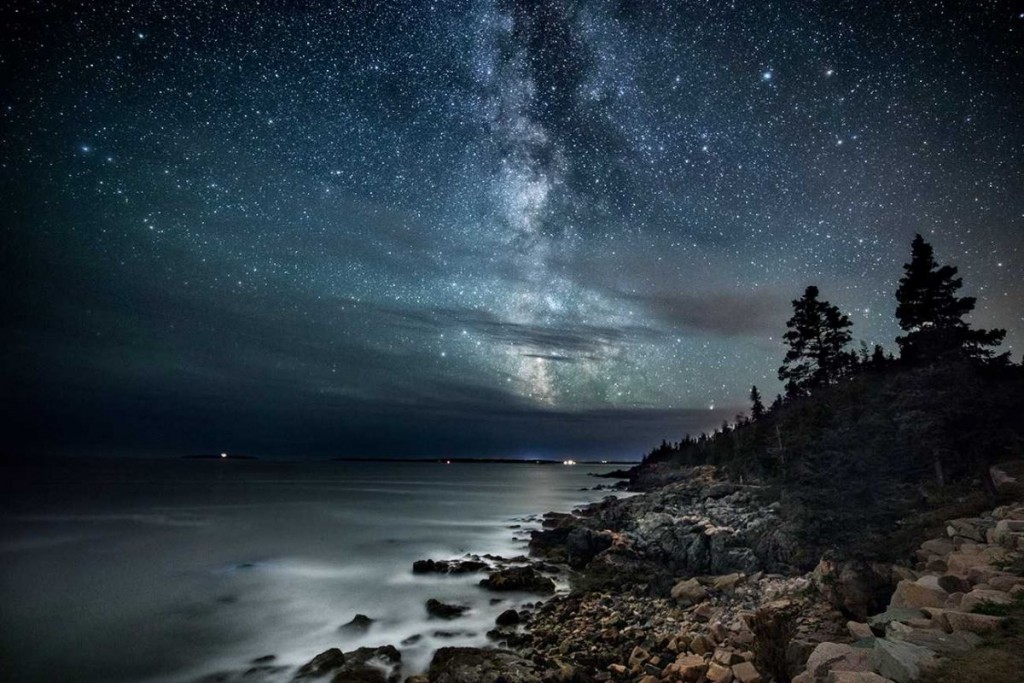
704,580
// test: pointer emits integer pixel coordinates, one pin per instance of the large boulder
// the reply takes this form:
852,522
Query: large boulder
323,664
979,597
476,665
856,677
917,594
582,544
901,661
854,587
443,610
448,566
689,592
973,623
518,579
837,657
364,665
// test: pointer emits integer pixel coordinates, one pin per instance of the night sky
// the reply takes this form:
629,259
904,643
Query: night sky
476,228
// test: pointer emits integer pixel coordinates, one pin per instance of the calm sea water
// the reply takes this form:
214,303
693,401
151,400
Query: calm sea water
170,570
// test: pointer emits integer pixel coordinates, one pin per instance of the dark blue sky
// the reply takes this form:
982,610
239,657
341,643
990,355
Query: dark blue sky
477,228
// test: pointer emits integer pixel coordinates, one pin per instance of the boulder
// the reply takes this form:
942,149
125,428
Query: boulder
979,597
900,661
370,665
582,544
917,594
937,641
727,583
856,588
717,673
443,610
689,592
745,672
837,657
902,614
360,624
951,583
323,664
859,630
509,617
688,667
364,665
855,677
973,623
518,579
448,566
476,665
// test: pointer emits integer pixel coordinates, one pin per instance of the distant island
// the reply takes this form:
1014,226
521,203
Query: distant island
504,461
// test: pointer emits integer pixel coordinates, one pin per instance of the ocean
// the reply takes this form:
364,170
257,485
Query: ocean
170,570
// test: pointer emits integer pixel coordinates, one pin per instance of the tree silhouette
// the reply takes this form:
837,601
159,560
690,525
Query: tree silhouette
817,336
931,313
756,408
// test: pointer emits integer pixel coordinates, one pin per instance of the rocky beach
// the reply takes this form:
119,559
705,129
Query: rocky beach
706,580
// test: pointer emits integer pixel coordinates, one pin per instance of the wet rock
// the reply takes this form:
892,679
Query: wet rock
442,610
370,665
509,617
360,624
476,665
448,566
583,544
324,663
518,579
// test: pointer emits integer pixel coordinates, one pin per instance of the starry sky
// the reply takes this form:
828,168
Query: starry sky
474,227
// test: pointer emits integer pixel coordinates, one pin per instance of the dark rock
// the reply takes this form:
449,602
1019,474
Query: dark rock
413,639
518,579
442,610
448,566
476,665
855,587
509,617
265,659
582,544
370,665
360,624
324,663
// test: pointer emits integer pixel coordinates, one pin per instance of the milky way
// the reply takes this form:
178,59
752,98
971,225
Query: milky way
523,229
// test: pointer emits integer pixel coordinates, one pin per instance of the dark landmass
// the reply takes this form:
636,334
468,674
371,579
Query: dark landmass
503,461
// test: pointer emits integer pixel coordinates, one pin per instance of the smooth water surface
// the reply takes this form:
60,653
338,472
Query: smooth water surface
174,569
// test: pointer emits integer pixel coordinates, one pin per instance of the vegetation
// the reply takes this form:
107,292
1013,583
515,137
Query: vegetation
1000,659
863,440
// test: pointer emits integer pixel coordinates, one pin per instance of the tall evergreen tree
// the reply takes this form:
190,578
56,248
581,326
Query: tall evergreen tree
817,337
931,313
756,407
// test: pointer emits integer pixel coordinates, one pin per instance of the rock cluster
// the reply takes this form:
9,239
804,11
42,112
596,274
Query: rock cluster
701,634
932,611
700,525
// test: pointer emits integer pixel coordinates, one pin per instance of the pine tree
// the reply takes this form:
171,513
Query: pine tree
817,337
757,408
931,313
